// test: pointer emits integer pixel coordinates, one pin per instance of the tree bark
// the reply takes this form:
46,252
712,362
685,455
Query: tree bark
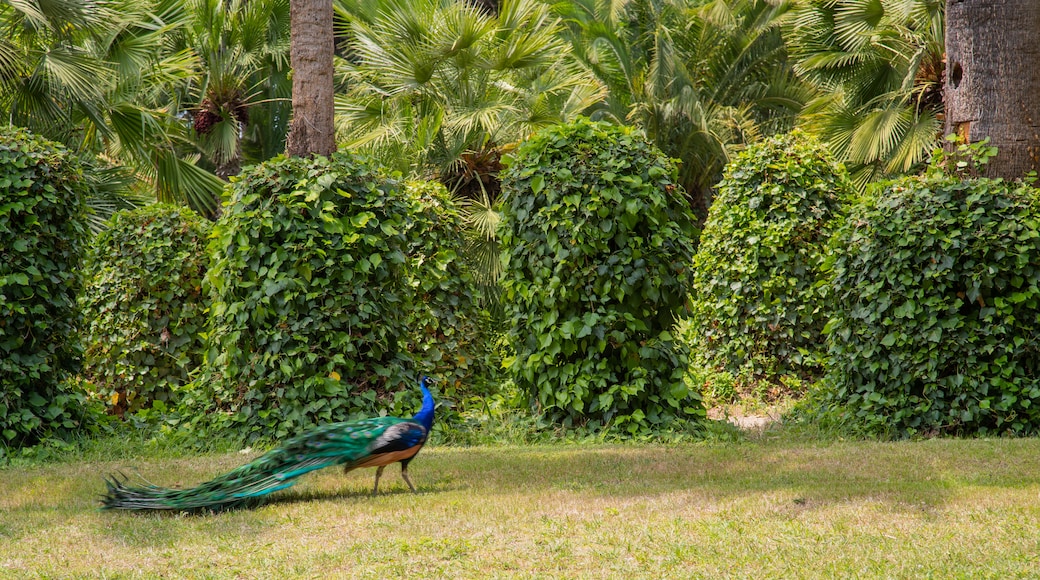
993,80
312,131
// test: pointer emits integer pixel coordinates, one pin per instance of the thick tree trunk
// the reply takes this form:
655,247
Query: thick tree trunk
312,130
993,80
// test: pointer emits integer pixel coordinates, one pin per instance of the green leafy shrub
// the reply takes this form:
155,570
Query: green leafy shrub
143,305
938,325
759,298
598,240
42,232
332,286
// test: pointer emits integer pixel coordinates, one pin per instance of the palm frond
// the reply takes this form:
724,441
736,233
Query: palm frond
856,22
60,17
867,57
75,72
700,77
483,249
878,133
915,146
112,189
449,78
178,179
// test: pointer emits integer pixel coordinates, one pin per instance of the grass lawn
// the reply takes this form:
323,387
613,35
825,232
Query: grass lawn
765,508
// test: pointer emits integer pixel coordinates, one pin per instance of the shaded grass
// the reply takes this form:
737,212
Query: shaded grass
766,508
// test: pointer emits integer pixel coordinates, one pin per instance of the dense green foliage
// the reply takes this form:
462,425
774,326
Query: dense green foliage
42,233
438,87
328,280
237,87
143,305
107,79
938,326
698,77
599,242
335,284
759,301
443,87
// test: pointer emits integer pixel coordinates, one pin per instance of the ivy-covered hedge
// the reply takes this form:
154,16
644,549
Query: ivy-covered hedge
329,284
938,326
42,233
448,333
599,241
143,305
759,298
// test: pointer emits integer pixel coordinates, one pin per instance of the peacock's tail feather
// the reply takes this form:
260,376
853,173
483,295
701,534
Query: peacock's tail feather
350,443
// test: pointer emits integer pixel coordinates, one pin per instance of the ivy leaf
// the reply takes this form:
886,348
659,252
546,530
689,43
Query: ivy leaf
578,278
964,326
761,292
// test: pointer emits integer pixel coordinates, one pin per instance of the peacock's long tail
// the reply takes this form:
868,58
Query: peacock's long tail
236,488
350,443
373,442
221,493
275,470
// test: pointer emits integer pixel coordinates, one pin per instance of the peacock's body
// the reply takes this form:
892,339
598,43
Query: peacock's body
376,442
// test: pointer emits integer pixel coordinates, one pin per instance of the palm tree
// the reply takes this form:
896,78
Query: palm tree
95,77
701,78
993,86
443,89
313,46
879,67
239,94
46,72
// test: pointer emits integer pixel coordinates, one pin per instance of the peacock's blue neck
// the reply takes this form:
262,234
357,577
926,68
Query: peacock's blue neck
425,415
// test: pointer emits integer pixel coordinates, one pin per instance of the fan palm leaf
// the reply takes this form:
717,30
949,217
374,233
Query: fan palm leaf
92,75
113,189
701,78
878,66
440,88
482,217
478,80
239,93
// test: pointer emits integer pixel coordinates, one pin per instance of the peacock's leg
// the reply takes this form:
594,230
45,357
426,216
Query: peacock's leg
375,490
404,474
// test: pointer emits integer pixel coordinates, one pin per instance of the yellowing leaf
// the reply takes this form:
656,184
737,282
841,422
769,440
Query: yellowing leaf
334,376
115,398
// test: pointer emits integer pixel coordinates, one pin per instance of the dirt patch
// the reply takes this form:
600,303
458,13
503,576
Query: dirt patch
757,421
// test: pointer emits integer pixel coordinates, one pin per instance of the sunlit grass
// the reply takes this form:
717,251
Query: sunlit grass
766,508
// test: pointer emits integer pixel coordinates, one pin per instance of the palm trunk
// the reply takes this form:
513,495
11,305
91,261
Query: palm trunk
226,169
992,80
312,130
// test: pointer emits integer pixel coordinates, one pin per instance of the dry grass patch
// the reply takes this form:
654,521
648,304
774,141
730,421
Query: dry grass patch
943,508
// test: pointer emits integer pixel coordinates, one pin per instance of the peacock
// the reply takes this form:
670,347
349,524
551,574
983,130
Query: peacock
376,442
